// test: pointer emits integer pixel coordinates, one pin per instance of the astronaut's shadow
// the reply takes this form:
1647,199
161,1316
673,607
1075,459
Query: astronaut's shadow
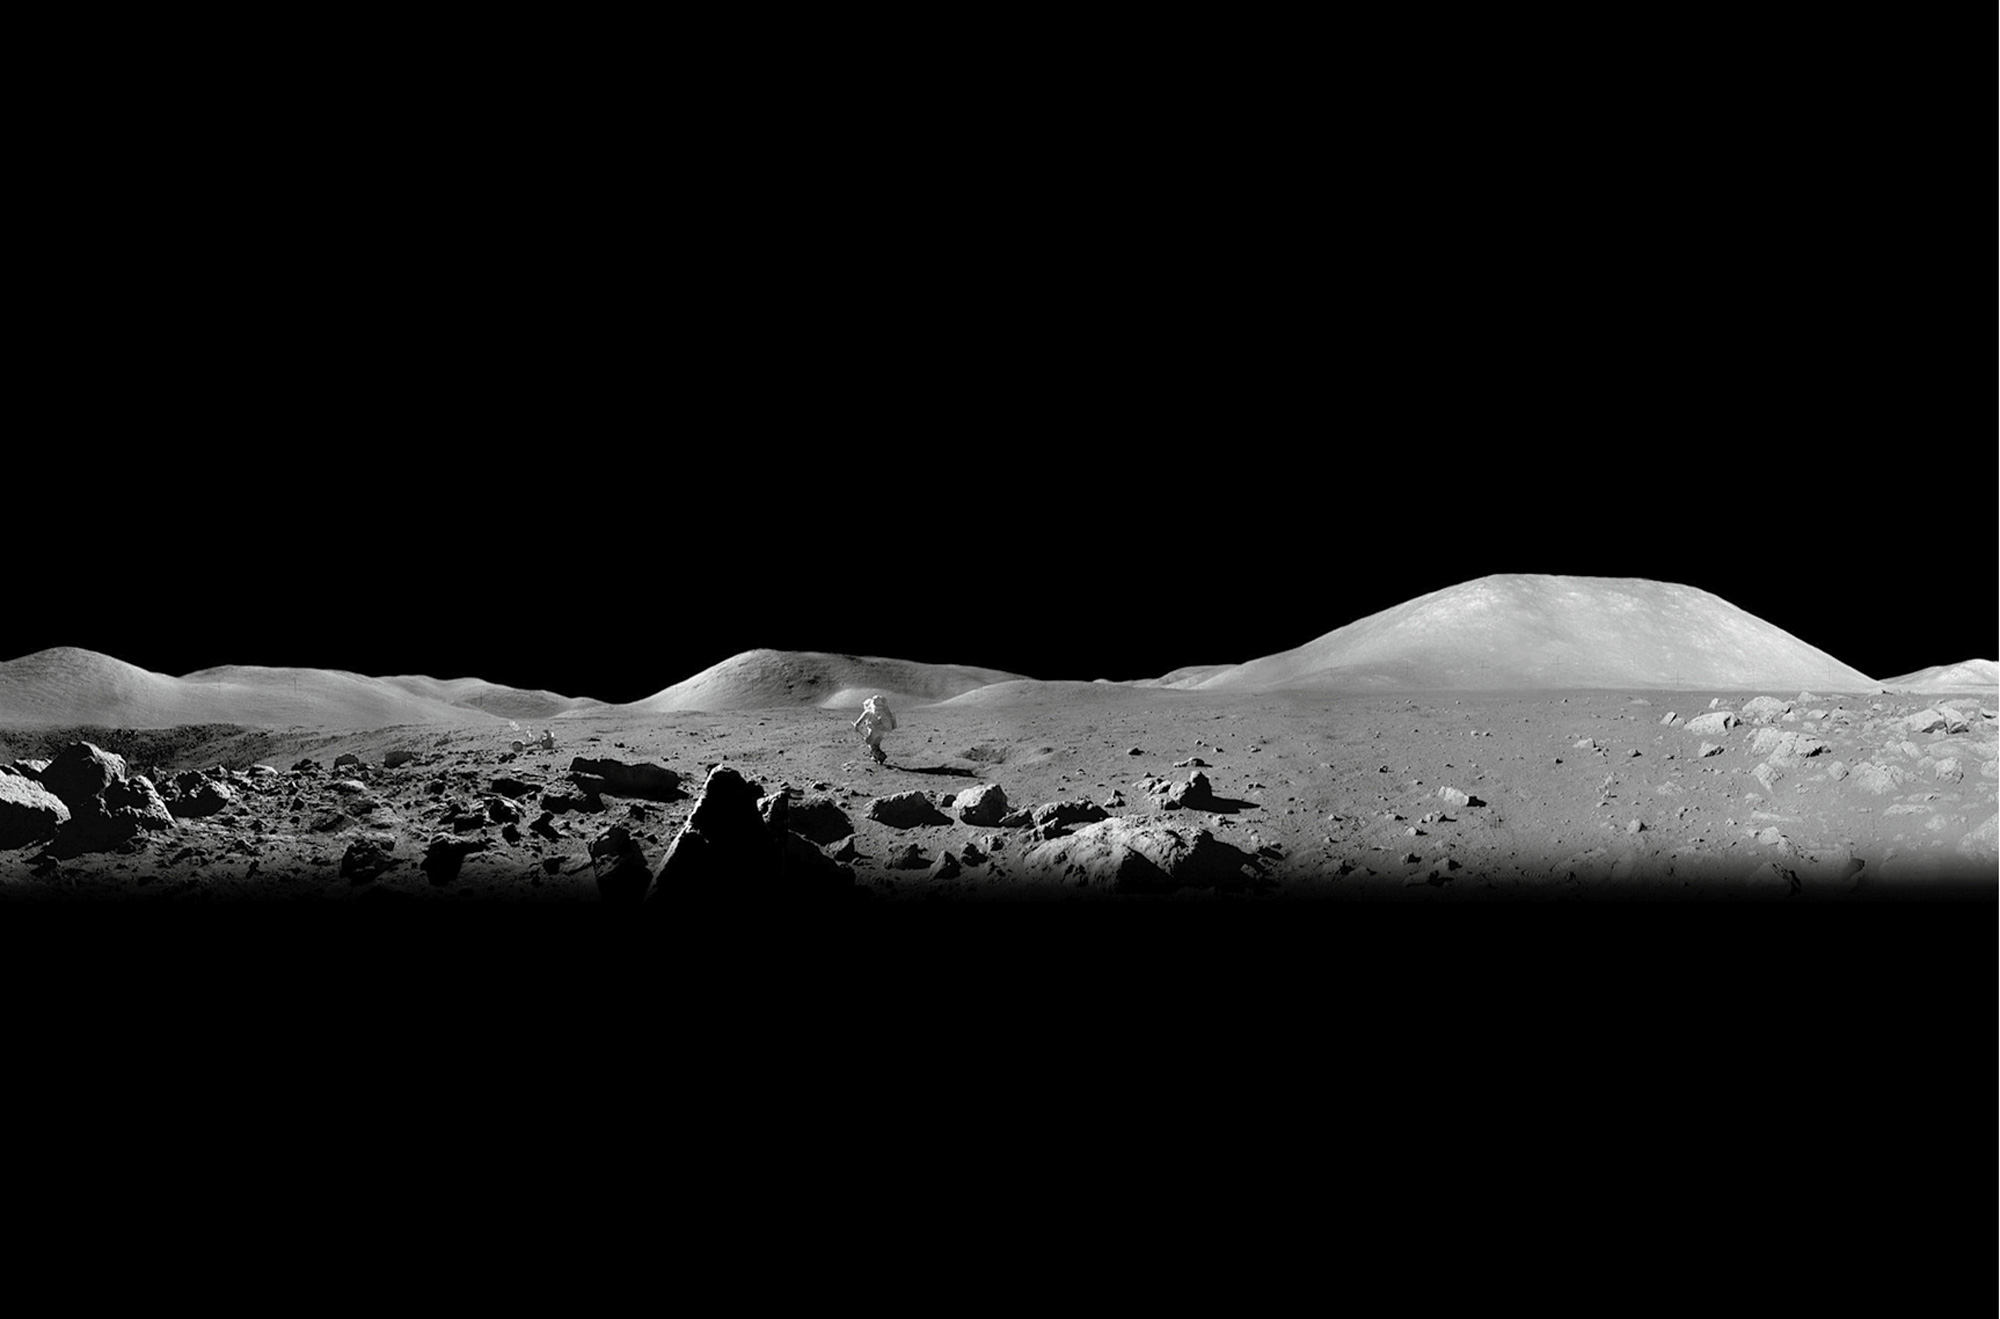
950,771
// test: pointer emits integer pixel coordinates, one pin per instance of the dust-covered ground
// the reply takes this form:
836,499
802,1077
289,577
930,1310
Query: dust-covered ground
1451,797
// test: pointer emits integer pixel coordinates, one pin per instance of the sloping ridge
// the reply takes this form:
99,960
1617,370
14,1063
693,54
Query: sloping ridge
68,685
765,679
1526,631
1969,675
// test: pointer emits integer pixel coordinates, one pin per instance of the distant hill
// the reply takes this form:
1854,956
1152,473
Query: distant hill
763,679
67,685
1528,631
1970,675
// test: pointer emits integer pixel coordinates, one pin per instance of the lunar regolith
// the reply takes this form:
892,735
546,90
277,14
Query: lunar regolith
1515,737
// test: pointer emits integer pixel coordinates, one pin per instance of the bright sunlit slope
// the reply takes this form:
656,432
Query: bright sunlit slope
1971,675
1532,631
68,685
762,679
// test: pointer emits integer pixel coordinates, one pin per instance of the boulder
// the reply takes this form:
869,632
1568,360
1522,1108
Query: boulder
946,868
205,798
651,781
398,759
1983,842
366,858
619,863
983,806
1950,770
1927,721
906,810
1063,814
820,819
1714,721
127,808
559,800
727,853
910,858
347,759
1708,749
512,788
1453,797
1878,779
446,855
1671,719
80,773
1765,709
1196,794
1127,854
29,812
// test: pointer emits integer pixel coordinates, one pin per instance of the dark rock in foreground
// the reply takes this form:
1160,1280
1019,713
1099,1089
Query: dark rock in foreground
619,862
446,856
727,853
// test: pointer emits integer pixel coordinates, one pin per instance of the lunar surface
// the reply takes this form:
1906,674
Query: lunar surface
1515,737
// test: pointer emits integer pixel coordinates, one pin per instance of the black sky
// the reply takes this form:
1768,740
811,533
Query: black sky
1013,392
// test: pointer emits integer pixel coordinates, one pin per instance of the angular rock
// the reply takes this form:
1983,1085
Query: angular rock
349,758
1764,709
1063,814
445,857
651,781
1715,721
726,853
1126,854
1878,779
983,806
560,800
1453,797
1708,749
910,858
1195,794
1837,770
366,858
906,810
1670,719
397,759
80,773
29,812
1983,841
1927,721
947,867
619,863
510,787
206,798
820,819
1950,770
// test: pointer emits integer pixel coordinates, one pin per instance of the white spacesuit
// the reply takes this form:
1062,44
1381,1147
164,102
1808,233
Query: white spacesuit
876,719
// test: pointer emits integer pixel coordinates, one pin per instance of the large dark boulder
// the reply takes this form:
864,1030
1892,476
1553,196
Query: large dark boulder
126,809
725,850
652,782
80,774
619,862
729,854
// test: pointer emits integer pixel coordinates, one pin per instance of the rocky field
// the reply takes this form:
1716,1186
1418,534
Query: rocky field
1130,797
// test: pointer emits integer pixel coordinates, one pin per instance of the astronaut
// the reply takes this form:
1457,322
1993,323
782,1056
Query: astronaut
876,719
